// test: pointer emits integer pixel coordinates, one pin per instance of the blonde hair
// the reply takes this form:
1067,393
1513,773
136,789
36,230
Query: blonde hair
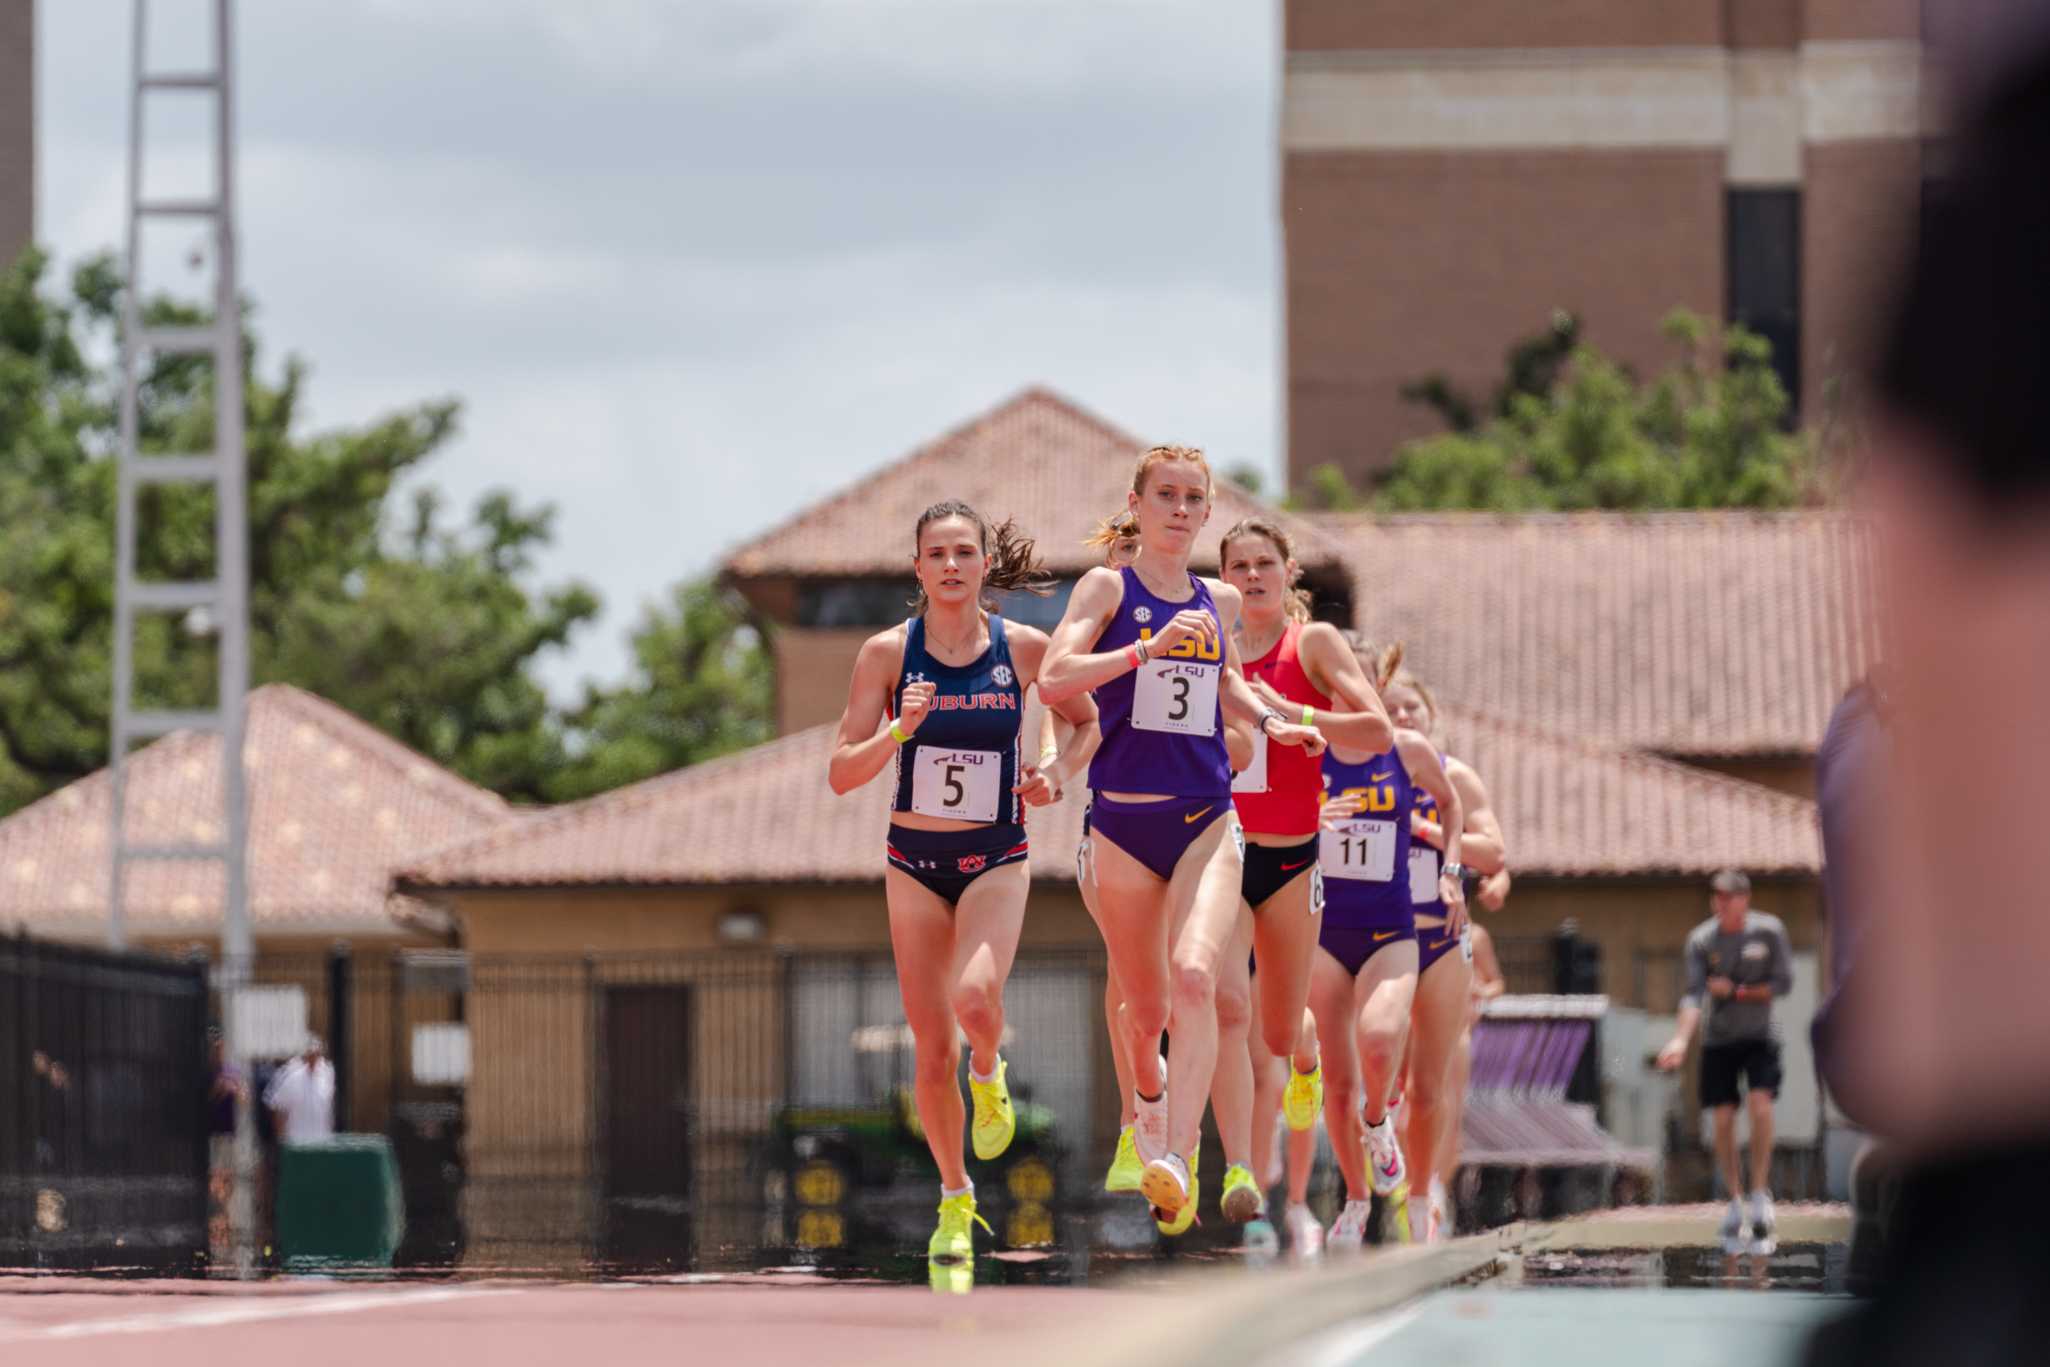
1381,664
1296,603
1161,455
1122,525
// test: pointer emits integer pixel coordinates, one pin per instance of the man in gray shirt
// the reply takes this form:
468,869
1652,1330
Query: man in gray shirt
1738,961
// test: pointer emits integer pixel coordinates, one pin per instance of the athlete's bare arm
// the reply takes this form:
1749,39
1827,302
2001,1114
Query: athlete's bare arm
1420,758
1482,849
1360,722
1069,669
865,746
1070,729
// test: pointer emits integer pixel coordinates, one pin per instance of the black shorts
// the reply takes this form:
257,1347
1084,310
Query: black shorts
946,862
1270,868
1757,1059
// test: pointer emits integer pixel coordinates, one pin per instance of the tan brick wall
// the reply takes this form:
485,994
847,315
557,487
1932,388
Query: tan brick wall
1842,20
1400,264
812,670
1858,200
1761,23
1327,25
17,128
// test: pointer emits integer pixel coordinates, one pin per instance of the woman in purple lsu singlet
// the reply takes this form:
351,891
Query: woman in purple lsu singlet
1153,641
950,683
1444,956
1365,972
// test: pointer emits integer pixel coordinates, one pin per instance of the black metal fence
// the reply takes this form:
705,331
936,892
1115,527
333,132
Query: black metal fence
103,1109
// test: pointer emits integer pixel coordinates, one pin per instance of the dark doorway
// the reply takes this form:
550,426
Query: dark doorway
647,1104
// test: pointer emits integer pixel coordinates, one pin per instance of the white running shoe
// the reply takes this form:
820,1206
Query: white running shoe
1149,1126
1764,1225
1438,1214
1349,1230
1305,1234
1735,1231
1165,1184
1384,1158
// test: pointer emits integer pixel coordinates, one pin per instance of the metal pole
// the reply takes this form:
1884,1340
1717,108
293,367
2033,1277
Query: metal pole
124,502
231,565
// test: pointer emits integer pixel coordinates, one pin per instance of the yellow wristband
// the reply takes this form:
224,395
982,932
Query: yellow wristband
897,734
1309,715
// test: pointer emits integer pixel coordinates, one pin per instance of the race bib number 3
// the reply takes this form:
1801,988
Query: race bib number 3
1176,695
961,784
1360,850
1423,874
1253,778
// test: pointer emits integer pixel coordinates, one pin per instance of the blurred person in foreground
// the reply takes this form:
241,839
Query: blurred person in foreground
1940,1036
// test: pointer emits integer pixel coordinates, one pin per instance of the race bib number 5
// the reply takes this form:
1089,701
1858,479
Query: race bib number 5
961,784
1176,695
1360,850
1253,778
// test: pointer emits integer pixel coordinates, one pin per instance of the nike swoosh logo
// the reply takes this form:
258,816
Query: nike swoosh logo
1383,778
1193,817
1381,935
1291,868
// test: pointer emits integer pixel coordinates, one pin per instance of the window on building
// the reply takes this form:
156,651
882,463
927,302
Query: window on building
1763,266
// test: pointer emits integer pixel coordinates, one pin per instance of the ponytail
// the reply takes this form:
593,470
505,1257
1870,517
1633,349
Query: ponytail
1012,561
1381,664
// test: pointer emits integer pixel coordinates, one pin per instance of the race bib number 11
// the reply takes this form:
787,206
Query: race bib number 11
956,783
1176,695
1361,850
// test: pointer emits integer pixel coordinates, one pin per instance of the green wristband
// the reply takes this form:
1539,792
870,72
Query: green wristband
897,734
1309,715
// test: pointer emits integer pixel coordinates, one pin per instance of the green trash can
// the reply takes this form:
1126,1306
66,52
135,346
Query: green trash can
339,1204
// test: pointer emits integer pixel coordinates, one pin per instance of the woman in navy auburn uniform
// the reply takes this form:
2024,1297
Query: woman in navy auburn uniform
1153,641
1304,670
1365,974
1444,954
951,684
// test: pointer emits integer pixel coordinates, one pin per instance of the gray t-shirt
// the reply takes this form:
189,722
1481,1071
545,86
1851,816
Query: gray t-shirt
1758,953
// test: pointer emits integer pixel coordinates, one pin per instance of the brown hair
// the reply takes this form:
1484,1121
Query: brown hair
1296,603
1013,562
1161,455
1381,664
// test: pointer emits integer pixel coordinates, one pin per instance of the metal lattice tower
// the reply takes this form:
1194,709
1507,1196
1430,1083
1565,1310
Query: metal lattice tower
226,597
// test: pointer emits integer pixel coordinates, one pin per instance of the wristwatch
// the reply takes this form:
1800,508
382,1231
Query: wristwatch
1456,871
1269,715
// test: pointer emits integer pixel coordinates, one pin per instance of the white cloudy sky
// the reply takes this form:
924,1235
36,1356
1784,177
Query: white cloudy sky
692,263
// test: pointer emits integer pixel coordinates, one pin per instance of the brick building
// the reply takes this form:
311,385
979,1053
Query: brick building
1452,173
17,127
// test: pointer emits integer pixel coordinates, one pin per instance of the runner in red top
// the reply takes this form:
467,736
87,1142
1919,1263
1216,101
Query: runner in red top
1304,670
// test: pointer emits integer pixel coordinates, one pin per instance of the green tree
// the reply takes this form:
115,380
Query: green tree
702,687
425,630
1569,428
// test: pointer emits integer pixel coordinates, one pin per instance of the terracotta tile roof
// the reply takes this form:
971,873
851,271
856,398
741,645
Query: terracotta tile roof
1695,634
334,803
1570,809
1036,457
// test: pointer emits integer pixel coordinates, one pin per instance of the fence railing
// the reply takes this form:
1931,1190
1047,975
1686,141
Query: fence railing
103,1109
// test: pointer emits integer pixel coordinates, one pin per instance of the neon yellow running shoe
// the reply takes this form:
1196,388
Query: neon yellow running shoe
1241,1200
1304,1097
995,1122
1179,1222
954,1238
1125,1167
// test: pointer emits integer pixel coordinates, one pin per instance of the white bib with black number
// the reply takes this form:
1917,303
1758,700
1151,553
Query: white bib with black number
1253,778
1423,873
1176,695
961,784
1362,850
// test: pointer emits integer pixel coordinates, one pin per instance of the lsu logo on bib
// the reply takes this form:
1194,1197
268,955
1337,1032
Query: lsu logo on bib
1194,648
